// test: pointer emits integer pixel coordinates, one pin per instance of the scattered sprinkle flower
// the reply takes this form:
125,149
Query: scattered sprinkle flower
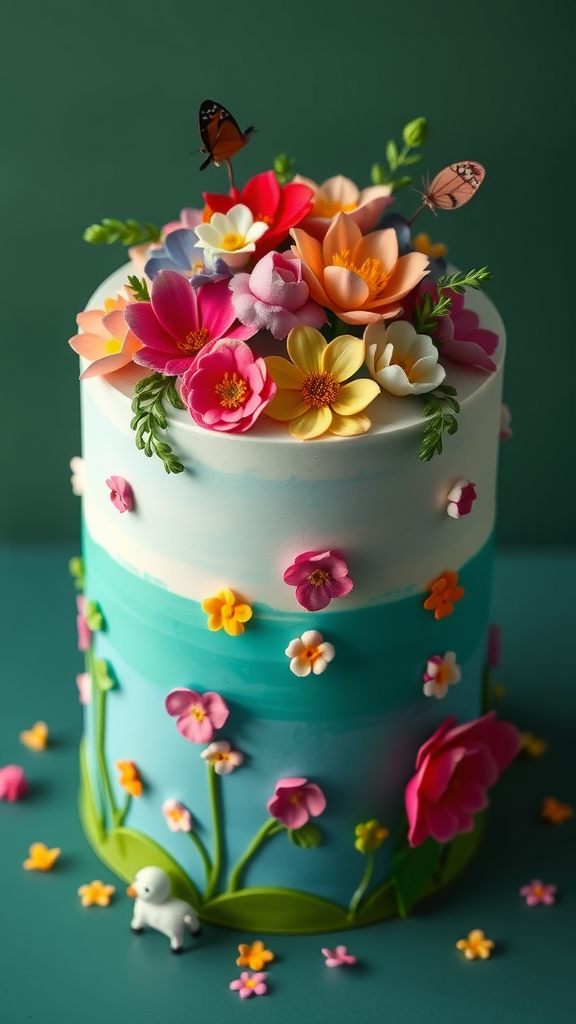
461,498
319,576
84,632
370,835
232,235
555,811
295,801
445,594
41,858
476,946
197,714
178,818
533,746
538,892
35,738
441,672
96,894
129,778
309,653
84,684
226,612
401,361
227,389
13,783
338,957
249,984
254,956
222,758
121,493
78,477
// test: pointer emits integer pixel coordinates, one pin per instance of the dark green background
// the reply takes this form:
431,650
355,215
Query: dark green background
101,99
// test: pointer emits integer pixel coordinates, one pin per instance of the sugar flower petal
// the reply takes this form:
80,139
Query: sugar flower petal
13,783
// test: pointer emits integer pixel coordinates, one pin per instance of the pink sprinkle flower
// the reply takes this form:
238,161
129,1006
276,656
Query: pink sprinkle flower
178,818
13,783
538,892
295,801
84,634
461,498
84,684
274,297
228,388
249,984
121,493
338,957
197,714
318,577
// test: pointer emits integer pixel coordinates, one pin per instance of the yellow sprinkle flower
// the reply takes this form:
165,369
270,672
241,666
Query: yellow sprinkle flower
35,738
555,811
225,612
476,946
434,250
370,835
254,956
41,858
96,894
533,746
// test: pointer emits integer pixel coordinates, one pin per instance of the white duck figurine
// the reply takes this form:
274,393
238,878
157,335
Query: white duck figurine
155,906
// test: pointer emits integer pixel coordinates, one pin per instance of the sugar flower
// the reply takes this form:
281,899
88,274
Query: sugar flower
274,297
197,714
121,493
226,612
461,498
84,684
295,801
445,594
78,475
454,770
458,335
96,894
309,653
505,421
254,956
13,783
360,278
41,858
537,892
232,235
222,758
106,340
319,576
228,389
555,811
423,243
533,746
129,778
338,957
400,360
178,818
311,394
249,985
341,195
35,738
476,946
181,253
370,835
441,672
84,633
179,323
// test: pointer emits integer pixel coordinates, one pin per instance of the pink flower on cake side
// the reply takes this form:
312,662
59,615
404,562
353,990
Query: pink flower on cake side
461,498
228,388
341,195
84,633
178,817
84,684
274,297
295,801
319,576
441,672
454,769
538,892
338,957
197,714
121,493
13,783
106,340
250,984
178,323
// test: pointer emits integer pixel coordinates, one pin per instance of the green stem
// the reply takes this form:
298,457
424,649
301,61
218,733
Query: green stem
205,857
215,807
269,828
365,882
99,704
119,816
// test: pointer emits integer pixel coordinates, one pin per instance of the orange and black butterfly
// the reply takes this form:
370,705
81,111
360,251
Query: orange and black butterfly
220,133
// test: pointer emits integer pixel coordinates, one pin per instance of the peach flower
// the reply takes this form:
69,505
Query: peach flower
341,195
105,341
360,278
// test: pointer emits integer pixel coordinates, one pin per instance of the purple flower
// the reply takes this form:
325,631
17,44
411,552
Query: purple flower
197,714
318,577
121,494
274,297
295,801
180,252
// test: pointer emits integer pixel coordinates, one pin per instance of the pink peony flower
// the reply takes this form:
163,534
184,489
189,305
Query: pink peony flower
178,818
461,498
274,297
197,714
178,323
454,768
538,892
84,634
84,684
105,339
121,494
228,388
338,957
295,801
13,783
458,335
318,577
249,984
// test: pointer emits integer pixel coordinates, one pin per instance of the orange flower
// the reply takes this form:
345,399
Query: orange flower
476,946
41,858
423,243
555,811
226,612
129,778
35,738
341,195
360,278
96,894
533,746
444,595
254,956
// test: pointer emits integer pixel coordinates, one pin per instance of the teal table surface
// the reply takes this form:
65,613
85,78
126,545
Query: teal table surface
61,963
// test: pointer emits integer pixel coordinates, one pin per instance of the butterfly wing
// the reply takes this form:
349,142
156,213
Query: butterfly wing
220,133
454,186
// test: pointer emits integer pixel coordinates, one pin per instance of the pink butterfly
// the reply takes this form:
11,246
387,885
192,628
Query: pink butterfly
454,186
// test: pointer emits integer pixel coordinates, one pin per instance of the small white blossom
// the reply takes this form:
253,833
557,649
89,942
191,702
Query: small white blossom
222,758
232,235
441,672
400,360
309,653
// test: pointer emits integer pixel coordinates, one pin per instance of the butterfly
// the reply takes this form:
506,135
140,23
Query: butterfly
454,186
35,738
220,133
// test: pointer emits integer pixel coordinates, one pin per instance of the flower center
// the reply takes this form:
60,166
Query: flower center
197,713
175,815
371,271
325,208
220,756
250,983
295,798
318,577
319,389
232,242
442,674
194,341
312,654
113,346
233,391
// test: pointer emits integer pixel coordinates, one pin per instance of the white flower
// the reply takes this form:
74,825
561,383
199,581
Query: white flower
178,818
441,672
78,475
232,235
222,758
309,653
400,360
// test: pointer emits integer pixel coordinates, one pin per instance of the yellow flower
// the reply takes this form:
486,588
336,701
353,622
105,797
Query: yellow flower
224,611
41,858
532,745
35,738
96,894
254,956
476,946
423,243
311,395
555,811
370,835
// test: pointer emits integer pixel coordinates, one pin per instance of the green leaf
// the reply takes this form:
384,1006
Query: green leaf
416,158
392,154
284,168
378,175
139,287
412,869
307,836
275,910
103,679
150,420
415,133
128,232
397,183
93,616
76,570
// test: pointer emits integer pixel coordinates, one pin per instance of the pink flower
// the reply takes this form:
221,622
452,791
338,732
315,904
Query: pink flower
121,494
274,297
341,195
538,892
228,388
494,645
338,957
249,984
461,498
295,801
505,421
84,634
454,768
178,818
84,684
318,577
13,783
197,714
458,335
178,323
106,341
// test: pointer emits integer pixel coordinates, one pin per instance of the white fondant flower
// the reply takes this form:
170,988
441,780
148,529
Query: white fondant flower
309,653
441,672
232,235
78,475
222,758
400,360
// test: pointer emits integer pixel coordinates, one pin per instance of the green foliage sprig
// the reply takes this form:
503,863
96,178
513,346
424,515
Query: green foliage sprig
284,168
128,232
429,311
150,418
139,287
440,406
414,134
76,569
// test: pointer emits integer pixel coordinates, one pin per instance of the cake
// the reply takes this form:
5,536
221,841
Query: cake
284,609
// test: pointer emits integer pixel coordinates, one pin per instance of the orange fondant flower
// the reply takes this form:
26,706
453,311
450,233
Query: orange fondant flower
254,956
226,612
129,778
445,594
476,946
555,811
35,738
41,858
96,894
423,243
